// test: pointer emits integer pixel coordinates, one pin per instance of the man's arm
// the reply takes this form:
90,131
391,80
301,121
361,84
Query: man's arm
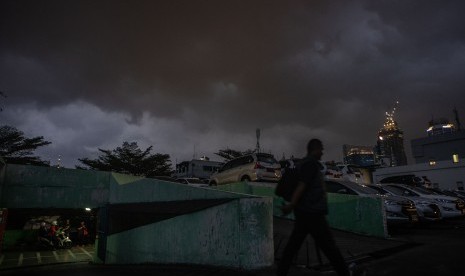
295,198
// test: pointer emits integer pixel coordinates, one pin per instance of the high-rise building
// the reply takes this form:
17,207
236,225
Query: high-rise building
390,144
363,156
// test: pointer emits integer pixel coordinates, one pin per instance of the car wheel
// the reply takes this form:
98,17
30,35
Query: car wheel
245,178
213,183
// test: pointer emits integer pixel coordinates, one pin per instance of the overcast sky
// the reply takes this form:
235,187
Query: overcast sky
193,77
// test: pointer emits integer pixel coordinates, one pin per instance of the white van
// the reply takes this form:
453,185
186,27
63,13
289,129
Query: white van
251,167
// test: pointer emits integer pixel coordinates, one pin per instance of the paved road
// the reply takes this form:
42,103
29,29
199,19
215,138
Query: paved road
29,257
432,249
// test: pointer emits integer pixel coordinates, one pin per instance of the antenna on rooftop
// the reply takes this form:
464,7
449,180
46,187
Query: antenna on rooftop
258,140
456,113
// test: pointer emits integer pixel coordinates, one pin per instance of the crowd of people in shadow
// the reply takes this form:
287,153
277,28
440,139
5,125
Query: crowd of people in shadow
54,234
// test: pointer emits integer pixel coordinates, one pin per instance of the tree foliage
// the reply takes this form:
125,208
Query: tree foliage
17,149
130,159
229,154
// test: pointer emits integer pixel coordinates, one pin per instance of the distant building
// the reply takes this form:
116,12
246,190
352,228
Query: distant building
440,127
363,156
390,145
443,142
438,157
201,168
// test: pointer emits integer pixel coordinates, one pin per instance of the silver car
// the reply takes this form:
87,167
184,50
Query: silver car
251,167
398,209
427,209
450,206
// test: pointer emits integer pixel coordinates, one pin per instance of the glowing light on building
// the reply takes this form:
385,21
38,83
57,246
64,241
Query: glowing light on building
390,146
439,127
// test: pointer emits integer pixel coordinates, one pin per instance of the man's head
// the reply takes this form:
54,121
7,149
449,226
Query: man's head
315,148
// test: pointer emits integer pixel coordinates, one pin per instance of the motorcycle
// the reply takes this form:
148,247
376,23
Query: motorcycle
63,241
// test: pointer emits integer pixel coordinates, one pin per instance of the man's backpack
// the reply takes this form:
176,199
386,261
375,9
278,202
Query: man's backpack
288,183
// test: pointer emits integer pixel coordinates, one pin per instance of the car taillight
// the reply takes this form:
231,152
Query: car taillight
258,166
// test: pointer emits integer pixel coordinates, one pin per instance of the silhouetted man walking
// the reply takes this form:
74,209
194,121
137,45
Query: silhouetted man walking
310,206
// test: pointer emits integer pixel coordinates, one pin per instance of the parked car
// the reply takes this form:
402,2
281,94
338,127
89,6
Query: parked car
398,209
192,181
448,193
330,170
350,172
289,163
251,167
427,209
450,206
409,179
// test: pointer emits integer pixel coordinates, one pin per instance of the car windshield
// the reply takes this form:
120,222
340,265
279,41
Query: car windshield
364,189
267,158
403,191
380,190
394,190
424,191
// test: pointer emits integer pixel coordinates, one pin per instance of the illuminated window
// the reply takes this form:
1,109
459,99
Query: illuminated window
432,163
455,158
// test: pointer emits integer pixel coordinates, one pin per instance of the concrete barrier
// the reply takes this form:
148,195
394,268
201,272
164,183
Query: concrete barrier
356,214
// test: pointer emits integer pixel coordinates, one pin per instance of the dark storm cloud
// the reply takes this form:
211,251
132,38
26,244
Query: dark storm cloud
213,71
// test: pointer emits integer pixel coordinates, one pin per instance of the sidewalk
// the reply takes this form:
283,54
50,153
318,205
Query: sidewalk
354,247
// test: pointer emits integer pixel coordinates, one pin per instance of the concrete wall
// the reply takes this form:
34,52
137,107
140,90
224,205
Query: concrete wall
236,234
346,212
25,186
127,188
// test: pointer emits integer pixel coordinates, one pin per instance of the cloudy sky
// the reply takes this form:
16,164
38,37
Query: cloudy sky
193,77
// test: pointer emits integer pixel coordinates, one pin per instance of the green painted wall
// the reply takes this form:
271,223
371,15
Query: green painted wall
236,234
363,215
356,214
125,189
46,187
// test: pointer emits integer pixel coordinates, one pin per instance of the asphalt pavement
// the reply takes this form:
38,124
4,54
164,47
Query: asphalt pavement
426,249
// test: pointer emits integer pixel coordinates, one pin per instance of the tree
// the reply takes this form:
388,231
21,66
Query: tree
229,154
17,149
130,159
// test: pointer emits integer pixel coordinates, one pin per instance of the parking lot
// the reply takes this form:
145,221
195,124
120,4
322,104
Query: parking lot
29,257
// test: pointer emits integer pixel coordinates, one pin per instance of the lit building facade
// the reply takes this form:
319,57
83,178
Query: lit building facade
440,127
443,142
363,156
390,144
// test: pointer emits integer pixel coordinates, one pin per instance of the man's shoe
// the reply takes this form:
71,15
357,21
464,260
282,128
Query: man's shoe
356,270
